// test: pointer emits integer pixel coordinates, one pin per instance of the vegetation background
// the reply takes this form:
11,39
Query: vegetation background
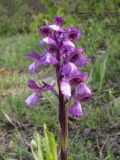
97,135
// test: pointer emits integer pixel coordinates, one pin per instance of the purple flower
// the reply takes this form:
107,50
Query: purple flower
58,20
49,40
32,100
65,88
79,58
56,28
45,59
66,52
69,70
48,58
68,43
33,86
73,34
33,66
75,111
77,79
82,92
45,31
34,55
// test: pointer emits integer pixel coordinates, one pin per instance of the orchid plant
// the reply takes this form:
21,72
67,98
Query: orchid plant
59,50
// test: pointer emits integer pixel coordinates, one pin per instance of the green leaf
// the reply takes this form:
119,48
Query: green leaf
34,154
46,143
48,153
51,144
38,155
69,158
102,72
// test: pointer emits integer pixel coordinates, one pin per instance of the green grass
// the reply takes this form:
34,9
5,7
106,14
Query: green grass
14,91
14,49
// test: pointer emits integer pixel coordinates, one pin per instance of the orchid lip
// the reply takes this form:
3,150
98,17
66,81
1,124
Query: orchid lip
75,111
83,93
65,88
32,100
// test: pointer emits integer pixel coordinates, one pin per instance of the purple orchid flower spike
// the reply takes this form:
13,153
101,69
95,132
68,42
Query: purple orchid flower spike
60,51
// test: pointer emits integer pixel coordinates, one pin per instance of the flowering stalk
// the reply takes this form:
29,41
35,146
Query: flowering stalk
63,120
66,58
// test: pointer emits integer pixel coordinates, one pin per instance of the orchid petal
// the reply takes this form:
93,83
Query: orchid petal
68,43
83,93
33,85
48,59
75,111
66,52
51,86
65,88
41,44
79,58
56,28
84,76
32,100
34,55
44,31
81,61
33,66
49,40
78,78
69,69
73,34
58,20
46,87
